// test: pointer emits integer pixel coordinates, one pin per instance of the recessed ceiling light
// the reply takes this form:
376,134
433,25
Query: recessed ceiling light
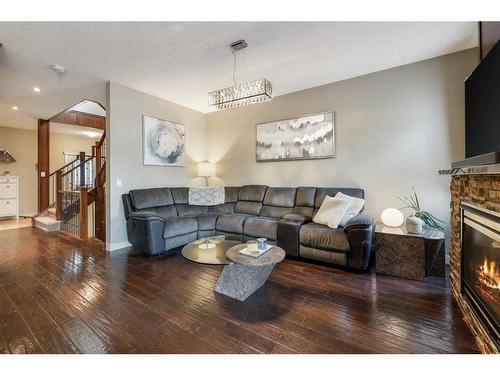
14,108
58,68
36,89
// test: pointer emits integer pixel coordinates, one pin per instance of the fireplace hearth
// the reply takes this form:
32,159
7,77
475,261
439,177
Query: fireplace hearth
482,193
480,274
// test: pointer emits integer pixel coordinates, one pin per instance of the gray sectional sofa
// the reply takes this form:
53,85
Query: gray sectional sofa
160,219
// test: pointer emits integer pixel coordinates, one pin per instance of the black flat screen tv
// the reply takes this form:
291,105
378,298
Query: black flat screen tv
482,107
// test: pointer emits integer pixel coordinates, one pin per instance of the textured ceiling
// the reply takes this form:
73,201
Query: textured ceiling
182,62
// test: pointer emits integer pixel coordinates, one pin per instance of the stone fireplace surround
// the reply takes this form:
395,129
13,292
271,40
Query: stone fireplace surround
482,190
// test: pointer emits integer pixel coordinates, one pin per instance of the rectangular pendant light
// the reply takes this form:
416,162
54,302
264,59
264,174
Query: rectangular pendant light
257,91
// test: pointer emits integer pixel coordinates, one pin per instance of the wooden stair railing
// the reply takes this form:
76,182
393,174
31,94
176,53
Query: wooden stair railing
60,176
72,198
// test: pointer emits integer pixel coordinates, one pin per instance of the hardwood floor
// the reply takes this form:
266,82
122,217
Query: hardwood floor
59,295
8,224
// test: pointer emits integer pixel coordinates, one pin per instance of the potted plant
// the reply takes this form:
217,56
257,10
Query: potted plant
420,217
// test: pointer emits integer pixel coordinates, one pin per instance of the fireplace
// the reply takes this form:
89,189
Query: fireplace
480,280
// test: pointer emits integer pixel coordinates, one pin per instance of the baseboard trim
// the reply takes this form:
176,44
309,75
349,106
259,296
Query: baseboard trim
117,245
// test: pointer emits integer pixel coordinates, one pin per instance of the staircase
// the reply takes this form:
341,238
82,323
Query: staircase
47,221
77,194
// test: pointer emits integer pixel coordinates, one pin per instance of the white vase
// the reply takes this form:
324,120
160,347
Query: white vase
414,225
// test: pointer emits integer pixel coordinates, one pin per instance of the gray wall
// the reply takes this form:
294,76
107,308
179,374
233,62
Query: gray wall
124,147
394,130
23,144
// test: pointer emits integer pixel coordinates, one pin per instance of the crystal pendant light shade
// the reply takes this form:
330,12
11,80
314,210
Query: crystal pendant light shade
244,94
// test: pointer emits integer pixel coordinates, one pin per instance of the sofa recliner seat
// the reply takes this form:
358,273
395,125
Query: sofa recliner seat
175,226
231,223
266,227
324,238
207,221
161,219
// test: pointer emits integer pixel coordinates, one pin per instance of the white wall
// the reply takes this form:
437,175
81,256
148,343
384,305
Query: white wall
394,129
124,142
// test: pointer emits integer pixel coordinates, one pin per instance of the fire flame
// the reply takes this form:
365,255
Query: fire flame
489,274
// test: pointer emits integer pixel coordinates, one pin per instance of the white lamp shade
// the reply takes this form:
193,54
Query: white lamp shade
206,169
392,217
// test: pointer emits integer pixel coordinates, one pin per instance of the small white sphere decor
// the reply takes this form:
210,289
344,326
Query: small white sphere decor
392,217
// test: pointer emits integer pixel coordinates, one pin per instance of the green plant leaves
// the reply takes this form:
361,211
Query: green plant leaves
412,202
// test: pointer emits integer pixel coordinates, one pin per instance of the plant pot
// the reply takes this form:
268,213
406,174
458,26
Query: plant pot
414,225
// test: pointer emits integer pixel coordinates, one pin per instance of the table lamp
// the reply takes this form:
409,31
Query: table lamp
392,217
206,170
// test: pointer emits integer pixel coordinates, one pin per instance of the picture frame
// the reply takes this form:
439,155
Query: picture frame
163,142
300,138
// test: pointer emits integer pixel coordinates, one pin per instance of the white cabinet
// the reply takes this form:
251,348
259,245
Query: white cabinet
9,196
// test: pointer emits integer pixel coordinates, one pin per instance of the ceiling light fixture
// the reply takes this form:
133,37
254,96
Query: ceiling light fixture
257,91
36,89
58,68
14,108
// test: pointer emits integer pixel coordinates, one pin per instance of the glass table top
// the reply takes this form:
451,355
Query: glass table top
211,250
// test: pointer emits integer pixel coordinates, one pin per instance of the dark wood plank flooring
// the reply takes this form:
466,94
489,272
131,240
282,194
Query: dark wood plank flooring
60,295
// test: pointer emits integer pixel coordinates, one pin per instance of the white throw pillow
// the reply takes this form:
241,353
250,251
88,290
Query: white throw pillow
355,207
331,211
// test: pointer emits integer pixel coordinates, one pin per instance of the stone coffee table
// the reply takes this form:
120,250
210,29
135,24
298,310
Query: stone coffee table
243,275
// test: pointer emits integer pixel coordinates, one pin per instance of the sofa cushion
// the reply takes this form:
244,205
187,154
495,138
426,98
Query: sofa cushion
322,237
297,217
277,212
278,202
232,223
254,193
175,226
180,195
147,198
305,211
266,227
305,196
189,210
280,196
231,194
246,207
226,208
207,221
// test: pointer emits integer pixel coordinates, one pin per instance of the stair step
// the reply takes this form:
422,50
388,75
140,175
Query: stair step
52,212
48,223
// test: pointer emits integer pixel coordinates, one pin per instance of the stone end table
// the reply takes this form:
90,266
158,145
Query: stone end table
243,275
412,256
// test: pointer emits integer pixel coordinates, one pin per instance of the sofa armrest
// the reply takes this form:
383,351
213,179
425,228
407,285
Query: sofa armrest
145,215
360,232
289,231
145,232
359,220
